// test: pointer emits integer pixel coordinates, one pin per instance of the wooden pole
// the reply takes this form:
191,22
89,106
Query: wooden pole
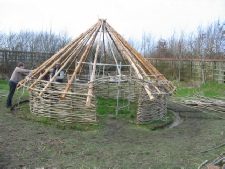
90,89
140,58
53,58
118,69
133,65
80,61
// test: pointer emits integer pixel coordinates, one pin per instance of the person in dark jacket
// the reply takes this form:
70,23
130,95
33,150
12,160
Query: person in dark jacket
46,77
18,74
60,76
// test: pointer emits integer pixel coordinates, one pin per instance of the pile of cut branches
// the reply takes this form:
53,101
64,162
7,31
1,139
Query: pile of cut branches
218,163
201,102
207,103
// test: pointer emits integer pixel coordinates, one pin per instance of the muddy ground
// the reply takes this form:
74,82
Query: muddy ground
117,144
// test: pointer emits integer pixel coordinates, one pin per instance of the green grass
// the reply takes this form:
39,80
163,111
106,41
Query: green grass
160,124
35,143
106,110
210,90
106,107
4,85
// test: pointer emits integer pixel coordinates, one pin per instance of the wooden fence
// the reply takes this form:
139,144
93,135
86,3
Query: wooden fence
10,59
209,70
172,69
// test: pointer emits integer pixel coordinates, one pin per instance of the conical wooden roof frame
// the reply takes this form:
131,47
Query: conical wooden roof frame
79,49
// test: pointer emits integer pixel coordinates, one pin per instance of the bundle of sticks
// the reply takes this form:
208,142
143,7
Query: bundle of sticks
218,163
206,103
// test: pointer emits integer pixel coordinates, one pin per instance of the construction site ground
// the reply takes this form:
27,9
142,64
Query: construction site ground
117,144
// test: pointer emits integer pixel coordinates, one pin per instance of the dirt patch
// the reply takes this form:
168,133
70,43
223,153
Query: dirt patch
117,144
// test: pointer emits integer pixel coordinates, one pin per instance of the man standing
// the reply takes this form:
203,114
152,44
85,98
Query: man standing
17,75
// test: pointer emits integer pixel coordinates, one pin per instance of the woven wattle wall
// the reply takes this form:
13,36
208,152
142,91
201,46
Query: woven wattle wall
106,69
150,110
71,109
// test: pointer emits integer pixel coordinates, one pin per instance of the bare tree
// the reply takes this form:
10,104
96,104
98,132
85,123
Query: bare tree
34,41
147,45
135,43
178,48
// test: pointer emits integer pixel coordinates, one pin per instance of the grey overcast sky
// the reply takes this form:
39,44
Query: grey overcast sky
130,18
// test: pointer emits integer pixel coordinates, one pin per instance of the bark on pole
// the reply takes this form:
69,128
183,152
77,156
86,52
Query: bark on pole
90,89
147,89
81,60
53,58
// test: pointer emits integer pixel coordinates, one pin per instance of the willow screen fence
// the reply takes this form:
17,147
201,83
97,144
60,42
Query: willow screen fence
9,60
172,69
208,70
